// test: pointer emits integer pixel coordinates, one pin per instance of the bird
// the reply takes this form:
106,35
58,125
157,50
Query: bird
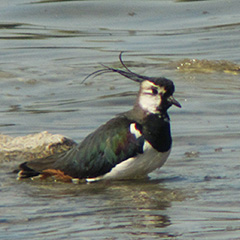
129,146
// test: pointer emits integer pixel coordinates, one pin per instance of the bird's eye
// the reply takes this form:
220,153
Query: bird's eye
154,91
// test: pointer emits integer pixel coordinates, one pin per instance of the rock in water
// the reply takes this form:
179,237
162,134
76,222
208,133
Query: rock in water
32,146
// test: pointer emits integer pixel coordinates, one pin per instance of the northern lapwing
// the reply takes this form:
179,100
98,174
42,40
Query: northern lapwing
129,146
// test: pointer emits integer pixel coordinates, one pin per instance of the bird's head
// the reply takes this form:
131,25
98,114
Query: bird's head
155,94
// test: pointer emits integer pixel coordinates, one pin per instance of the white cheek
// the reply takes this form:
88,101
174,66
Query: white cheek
149,102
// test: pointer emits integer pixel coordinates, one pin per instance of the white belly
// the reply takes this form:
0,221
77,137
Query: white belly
136,167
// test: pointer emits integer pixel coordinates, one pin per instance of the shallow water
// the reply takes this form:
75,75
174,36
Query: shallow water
48,47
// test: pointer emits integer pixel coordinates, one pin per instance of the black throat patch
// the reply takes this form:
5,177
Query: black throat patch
156,130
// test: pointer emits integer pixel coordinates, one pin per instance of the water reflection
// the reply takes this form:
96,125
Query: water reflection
98,209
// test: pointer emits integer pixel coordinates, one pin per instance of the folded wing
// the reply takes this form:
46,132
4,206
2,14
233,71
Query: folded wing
109,145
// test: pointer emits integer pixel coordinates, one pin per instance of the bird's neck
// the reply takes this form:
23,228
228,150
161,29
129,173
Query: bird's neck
141,115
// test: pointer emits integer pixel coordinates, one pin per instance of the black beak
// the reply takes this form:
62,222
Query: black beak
173,101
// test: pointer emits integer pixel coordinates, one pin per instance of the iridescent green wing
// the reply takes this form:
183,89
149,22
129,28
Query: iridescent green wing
99,152
109,145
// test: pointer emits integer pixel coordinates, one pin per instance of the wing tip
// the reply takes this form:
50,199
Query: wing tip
26,172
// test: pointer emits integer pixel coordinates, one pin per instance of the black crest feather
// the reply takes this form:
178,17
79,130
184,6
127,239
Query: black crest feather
128,74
